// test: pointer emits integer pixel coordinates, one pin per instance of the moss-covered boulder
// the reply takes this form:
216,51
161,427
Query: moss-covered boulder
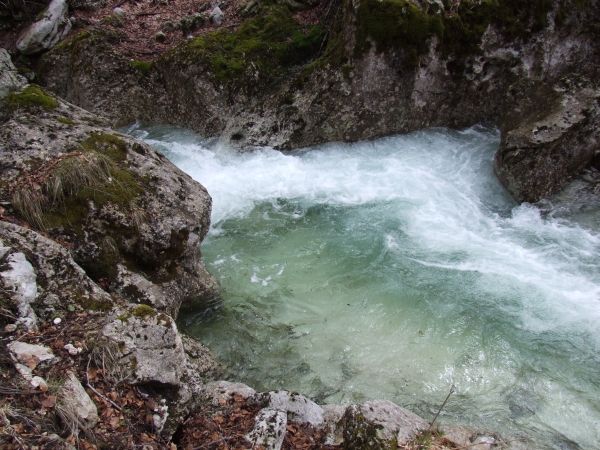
130,218
380,425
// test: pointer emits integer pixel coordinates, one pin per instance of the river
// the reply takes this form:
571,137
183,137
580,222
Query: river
395,269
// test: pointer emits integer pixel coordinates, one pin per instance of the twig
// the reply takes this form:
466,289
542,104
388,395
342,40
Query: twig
87,379
14,391
148,14
441,407
223,439
496,443
121,3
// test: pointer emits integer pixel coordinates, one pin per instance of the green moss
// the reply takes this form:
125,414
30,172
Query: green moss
143,66
107,144
89,304
264,45
66,121
141,312
114,20
30,97
402,25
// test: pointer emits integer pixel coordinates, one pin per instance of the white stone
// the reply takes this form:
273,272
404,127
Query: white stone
226,390
217,16
72,349
21,279
57,321
39,382
119,12
46,32
76,402
299,408
22,352
269,429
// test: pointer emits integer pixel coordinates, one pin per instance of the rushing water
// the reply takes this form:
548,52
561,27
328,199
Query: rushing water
395,269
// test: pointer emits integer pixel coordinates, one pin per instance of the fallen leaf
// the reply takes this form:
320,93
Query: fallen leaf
222,402
218,419
19,428
49,402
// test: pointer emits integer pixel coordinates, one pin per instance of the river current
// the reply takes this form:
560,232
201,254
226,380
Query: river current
395,269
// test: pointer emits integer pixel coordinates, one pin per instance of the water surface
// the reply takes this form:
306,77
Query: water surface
395,269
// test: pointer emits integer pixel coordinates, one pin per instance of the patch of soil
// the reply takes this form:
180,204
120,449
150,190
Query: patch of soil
145,18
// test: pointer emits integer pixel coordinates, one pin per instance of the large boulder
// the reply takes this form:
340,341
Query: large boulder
549,135
141,346
380,425
45,33
131,219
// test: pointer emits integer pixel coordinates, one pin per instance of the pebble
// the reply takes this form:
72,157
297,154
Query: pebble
10,328
57,321
119,12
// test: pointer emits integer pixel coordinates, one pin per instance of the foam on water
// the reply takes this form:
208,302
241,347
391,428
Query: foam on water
394,269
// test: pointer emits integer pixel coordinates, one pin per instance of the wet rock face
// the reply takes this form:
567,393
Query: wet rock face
130,218
549,135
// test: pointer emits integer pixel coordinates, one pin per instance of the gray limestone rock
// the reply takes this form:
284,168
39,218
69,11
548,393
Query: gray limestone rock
380,424
269,429
226,390
46,32
142,346
299,408
76,403
61,284
201,359
157,219
332,424
10,80
216,16
549,135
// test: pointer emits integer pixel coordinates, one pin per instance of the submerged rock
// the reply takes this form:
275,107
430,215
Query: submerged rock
45,33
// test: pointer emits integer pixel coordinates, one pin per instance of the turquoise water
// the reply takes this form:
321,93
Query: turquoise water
395,269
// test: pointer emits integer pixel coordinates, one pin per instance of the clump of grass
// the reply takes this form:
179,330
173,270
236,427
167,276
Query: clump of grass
68,183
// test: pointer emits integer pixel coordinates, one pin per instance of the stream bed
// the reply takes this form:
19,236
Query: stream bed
395,269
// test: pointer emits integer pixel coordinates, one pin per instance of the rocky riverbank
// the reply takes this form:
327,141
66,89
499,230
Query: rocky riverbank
100,234
99,246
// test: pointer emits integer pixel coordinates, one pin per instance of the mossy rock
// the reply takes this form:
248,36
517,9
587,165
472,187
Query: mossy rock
267,44
31,97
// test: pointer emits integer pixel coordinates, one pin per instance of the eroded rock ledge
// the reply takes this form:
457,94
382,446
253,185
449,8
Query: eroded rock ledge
373,69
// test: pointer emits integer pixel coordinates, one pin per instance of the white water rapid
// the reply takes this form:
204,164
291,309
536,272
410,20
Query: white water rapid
394,269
